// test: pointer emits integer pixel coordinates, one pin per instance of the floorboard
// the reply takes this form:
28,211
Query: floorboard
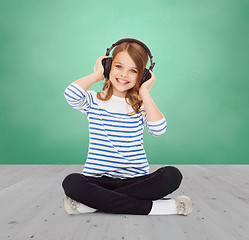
31,207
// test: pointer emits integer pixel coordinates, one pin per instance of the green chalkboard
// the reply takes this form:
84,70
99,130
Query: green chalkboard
201,53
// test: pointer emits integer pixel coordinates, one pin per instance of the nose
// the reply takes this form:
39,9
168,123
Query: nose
123,73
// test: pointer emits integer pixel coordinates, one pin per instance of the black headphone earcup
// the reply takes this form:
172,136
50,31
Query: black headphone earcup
146,76
107,64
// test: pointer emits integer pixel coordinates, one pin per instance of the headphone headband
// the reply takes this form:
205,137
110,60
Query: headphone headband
136,41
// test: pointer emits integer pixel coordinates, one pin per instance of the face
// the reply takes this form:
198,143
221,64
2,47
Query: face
123,74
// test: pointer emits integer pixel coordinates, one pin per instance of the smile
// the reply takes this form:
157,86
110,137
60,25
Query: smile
122,82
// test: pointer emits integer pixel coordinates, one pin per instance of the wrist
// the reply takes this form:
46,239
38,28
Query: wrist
143,92
98,76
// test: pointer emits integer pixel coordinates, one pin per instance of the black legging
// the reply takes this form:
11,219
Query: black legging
122,196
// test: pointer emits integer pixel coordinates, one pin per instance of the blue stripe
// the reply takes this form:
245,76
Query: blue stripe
94,168
115,135
86,173
91,99
137,172
119,141
70,96
110,120
103,145
110,157
108,166
78,89
110,125
98,149
75,93
154,130
103,150
116,131
128,172
73,101
79,104
84,97
103,160
118,169
156,125
103,165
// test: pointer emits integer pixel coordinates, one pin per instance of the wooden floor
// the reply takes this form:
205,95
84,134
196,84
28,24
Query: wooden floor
31,207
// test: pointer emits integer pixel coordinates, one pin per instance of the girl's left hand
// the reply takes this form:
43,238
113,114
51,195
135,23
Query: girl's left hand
149,83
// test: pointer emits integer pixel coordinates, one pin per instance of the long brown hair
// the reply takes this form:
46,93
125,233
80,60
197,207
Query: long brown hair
139,55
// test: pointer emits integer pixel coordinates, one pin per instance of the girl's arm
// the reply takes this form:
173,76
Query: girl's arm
98,75
152,112
88,81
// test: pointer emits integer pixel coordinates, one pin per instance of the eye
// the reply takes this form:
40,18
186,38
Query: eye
117,66
134,71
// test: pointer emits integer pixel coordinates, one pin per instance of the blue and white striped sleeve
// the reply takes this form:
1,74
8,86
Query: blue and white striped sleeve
78,98
155,128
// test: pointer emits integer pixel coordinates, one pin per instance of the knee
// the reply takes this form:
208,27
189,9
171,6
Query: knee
176,174
69,181
171,175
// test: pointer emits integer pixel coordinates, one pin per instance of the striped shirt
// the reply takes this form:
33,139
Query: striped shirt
115,138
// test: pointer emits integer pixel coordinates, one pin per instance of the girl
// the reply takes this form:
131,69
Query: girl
116,178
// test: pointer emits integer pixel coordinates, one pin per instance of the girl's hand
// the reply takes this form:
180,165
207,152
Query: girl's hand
146,86
99,69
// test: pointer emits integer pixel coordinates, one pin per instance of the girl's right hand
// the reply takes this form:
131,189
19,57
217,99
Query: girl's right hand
99,69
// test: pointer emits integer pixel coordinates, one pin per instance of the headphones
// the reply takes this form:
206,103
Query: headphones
107,62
